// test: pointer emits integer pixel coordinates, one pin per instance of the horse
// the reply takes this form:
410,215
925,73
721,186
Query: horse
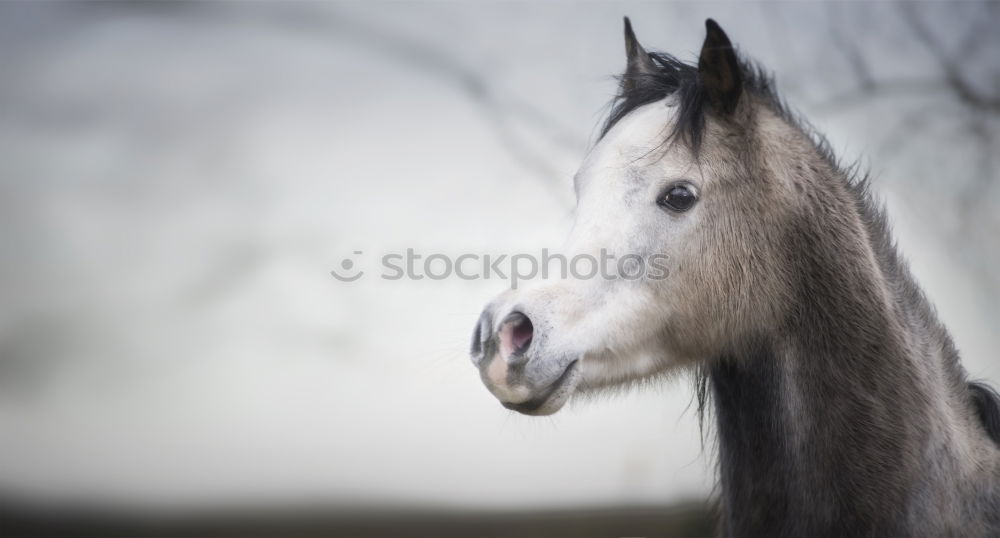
840,405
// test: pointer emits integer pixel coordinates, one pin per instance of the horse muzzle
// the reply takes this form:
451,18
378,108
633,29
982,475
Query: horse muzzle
515,366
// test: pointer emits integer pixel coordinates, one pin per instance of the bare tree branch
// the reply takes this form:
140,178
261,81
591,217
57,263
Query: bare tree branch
851,53
948,65
864,94
501,112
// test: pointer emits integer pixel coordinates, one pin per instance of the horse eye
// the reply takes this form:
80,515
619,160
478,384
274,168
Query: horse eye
678,198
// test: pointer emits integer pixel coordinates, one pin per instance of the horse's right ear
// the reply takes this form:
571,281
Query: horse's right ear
640,67
719,70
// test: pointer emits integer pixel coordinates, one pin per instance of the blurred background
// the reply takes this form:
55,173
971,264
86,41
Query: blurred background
178,179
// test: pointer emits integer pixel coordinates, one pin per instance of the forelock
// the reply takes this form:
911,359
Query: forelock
673,77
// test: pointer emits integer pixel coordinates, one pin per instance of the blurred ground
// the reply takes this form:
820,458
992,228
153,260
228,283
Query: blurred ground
689,520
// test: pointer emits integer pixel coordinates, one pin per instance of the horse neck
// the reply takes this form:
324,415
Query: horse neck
841,420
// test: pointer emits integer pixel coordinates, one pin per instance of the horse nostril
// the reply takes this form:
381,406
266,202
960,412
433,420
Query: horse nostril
480,335
516,333
477,341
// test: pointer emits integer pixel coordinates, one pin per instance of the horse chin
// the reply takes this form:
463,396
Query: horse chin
553,397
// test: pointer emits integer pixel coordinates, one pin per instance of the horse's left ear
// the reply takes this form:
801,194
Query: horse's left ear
719,70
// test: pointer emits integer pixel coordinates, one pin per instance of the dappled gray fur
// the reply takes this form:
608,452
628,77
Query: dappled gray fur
841,407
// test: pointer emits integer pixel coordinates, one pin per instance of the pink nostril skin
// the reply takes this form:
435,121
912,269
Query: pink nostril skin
515,336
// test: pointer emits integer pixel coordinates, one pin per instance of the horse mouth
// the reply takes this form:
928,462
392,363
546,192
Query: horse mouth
552,397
